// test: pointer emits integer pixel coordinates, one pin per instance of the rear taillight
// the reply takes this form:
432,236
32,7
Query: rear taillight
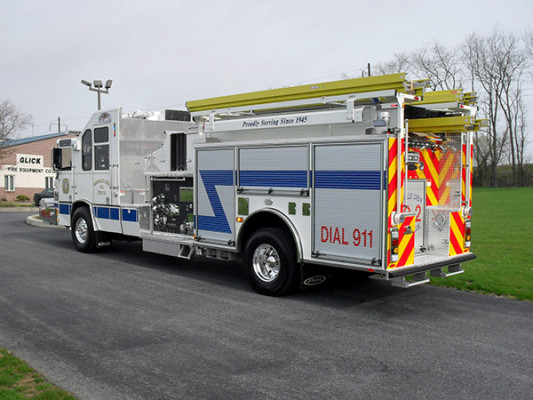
394,244
468,233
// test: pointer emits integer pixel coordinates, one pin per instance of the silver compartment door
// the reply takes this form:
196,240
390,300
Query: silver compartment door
215,195
348,202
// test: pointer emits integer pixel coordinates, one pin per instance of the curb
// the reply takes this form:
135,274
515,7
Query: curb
34,220
19,209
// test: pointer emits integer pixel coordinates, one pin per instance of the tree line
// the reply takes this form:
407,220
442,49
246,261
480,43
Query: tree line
497,67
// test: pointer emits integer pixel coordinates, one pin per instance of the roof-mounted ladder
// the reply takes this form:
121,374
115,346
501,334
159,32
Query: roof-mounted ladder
306,95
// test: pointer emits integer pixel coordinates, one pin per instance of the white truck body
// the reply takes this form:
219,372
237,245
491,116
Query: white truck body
288,181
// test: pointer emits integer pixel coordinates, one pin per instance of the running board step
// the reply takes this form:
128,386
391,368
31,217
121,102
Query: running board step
218,254
452,270
419,278
168,246
185,251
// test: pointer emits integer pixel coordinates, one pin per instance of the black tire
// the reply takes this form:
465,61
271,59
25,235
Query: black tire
270,261
83,234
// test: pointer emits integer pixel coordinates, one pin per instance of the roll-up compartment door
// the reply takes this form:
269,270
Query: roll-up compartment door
348,202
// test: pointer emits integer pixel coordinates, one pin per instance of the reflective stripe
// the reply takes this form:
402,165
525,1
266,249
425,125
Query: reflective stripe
362,180
407,243
65,209
129,215
113,214
218,222
457,227
287,179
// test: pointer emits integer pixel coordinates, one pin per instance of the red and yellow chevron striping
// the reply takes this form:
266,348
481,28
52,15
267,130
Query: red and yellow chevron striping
430,173
393,177
463,177
447,173
457,229
407,242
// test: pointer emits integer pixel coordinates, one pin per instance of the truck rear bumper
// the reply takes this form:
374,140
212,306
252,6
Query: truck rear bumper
428,263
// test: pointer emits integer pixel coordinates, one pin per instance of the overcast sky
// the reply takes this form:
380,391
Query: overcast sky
160,54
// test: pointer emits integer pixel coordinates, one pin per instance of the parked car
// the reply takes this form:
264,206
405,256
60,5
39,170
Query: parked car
42,195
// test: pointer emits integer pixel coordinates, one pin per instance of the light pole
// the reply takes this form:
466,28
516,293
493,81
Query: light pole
98,88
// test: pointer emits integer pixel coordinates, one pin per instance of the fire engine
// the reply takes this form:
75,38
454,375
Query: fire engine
371,174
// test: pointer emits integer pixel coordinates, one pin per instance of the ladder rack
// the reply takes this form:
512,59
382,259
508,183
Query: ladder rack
456,108
449,124
306,94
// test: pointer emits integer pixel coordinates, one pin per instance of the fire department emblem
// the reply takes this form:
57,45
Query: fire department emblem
65,185
105,118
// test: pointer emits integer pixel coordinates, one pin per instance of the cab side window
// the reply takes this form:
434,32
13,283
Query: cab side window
87,150
101,148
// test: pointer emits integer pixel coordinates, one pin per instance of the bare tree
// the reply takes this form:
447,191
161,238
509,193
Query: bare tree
443,67
482,151
521,141
11,121
400,63
497,65
511,62
528,40
484,63
436,63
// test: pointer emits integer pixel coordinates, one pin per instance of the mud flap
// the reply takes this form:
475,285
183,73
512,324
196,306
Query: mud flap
313,276
103,239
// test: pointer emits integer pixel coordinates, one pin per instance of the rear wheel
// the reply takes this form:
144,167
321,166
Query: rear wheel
83,234
270,259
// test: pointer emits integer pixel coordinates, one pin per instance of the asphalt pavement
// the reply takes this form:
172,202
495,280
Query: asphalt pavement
125,324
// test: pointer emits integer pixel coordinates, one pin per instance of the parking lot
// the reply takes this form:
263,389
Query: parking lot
124,324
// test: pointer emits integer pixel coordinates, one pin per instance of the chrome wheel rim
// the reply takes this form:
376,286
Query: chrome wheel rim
80,230
266,263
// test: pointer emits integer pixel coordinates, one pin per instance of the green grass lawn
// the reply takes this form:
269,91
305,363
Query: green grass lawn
19,382
502,239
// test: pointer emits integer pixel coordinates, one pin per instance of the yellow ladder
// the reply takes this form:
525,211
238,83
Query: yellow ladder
316,90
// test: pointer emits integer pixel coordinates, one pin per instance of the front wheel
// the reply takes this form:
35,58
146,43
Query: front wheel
271,262
83,234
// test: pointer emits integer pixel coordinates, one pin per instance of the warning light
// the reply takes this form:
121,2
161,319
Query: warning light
240,219
468,233
394,244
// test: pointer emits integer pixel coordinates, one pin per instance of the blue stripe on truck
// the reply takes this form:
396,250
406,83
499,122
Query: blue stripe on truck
287,179
362,180
218,222
114,213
